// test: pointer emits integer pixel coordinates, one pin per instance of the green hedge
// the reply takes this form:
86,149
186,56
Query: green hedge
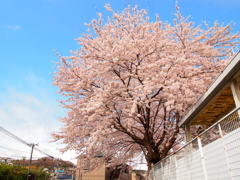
12,172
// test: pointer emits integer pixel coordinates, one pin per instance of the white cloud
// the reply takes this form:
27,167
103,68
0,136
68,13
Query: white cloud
12,27
32,118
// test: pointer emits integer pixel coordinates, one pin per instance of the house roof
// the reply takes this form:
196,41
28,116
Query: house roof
218,99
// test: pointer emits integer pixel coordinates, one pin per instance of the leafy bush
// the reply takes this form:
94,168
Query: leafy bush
9,172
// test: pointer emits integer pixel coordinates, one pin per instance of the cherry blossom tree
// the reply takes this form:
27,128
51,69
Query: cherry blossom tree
132,80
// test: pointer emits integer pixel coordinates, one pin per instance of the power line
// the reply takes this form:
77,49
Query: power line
44,153
22,141
13,136
13,149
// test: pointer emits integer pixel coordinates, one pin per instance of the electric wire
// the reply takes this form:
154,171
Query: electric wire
22,141
44,153
13,136
13,149
22,151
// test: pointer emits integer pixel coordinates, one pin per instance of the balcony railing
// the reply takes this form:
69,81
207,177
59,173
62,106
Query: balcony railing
214,154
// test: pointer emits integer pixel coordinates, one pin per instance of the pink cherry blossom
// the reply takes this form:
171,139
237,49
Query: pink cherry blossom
132,80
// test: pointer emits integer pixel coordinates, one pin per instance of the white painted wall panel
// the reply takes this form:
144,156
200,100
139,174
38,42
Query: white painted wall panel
221,159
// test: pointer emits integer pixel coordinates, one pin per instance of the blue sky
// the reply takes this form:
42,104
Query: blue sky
30,30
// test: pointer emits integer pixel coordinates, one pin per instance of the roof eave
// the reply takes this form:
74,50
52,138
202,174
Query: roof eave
232,68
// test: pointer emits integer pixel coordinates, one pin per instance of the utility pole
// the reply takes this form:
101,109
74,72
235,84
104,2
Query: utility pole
73,169
30,160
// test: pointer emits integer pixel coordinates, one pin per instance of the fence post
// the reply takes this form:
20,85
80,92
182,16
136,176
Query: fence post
151,174
162,170
176,165
202,157
225,151
187,154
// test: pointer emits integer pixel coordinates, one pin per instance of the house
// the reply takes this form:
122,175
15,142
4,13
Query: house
6,160
212,128
105,172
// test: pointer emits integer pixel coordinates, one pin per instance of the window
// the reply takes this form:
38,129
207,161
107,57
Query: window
85,164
